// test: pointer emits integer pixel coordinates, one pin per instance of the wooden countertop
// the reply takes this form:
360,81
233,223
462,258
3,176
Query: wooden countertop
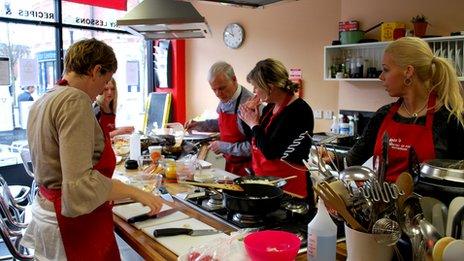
149,249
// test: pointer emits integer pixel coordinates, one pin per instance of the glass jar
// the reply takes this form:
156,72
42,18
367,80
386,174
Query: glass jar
170,169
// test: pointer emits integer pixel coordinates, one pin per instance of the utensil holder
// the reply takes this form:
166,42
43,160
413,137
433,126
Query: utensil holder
363,246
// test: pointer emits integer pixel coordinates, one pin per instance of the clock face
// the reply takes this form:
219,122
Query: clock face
234,34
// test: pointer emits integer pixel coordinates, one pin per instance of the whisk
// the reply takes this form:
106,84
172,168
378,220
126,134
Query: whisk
386,231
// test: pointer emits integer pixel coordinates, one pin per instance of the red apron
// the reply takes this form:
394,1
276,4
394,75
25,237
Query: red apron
402,137
229,132
89,236
107,122
276,167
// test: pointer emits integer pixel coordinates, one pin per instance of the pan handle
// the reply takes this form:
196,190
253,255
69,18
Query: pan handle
373,27
249,172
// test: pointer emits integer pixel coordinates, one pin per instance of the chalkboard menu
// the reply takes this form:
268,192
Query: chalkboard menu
157,111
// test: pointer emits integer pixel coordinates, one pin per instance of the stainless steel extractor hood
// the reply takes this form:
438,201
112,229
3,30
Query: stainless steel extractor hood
165,19
245,3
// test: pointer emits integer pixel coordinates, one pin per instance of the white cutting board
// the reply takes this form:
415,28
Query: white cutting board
456,204
157,221
130,210
181,244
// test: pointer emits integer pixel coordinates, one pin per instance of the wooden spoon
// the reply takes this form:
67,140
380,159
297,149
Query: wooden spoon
233,187
279,180
406,184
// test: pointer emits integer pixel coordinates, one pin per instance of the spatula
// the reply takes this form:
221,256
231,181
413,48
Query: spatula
233,187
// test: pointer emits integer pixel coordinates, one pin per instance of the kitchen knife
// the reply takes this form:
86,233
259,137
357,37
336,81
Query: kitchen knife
166,232
145,216
165,194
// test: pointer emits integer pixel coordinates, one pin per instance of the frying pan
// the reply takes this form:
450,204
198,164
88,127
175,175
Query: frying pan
256,199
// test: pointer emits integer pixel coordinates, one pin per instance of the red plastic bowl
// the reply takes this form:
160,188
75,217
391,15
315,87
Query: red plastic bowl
272,245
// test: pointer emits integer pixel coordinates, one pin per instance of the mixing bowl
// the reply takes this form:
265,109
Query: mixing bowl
272,245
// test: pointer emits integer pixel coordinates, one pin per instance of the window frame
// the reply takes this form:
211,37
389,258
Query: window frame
59,25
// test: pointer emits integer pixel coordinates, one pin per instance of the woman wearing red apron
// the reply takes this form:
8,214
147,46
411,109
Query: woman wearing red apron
428,116
73,164
105,111
283,120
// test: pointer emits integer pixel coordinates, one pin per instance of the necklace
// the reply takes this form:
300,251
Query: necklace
413,114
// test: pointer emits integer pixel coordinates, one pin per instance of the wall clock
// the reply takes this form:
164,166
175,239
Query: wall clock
233,36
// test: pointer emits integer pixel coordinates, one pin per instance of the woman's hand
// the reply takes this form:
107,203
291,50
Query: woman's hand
149,200
248,114
120,190
327,156
122,130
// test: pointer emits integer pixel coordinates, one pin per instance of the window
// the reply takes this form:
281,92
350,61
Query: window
28,31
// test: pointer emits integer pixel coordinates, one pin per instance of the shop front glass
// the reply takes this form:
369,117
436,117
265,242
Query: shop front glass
28,44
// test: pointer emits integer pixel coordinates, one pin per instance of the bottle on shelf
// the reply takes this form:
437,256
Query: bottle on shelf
334,128
355,124
134,146
351,125
344,127
322,235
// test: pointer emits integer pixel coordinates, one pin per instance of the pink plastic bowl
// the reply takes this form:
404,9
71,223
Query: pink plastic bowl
272,245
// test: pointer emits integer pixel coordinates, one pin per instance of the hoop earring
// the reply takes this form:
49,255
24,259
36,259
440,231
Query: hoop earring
407,81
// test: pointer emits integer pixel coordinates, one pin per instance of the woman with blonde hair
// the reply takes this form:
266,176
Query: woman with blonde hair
105,108
283,120
426,119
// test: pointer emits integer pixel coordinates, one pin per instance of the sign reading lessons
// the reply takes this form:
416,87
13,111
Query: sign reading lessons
113,4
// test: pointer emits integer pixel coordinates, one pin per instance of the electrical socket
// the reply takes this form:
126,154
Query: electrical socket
328,115
318,114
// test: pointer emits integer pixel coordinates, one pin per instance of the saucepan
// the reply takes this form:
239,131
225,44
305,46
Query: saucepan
351,37
256,199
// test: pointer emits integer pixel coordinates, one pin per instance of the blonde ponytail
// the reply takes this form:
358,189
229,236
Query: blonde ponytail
449,90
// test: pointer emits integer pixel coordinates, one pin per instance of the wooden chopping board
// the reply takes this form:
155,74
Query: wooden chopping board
181,244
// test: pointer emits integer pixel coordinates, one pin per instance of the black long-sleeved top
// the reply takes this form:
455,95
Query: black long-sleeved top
294,119
448,135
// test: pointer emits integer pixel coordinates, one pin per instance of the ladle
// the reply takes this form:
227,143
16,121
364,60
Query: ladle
410,216
357,173
430,233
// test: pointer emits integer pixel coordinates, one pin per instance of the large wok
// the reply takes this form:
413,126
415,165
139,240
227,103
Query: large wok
256,199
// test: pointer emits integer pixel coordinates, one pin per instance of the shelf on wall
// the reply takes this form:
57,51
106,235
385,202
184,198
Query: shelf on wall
451,47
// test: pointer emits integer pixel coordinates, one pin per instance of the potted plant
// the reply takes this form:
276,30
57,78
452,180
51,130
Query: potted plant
420,25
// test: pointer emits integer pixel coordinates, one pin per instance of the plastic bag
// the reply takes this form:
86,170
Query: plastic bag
225,249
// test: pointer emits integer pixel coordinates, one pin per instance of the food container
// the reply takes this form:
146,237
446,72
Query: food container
386,30
185,170
170,169
121,145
